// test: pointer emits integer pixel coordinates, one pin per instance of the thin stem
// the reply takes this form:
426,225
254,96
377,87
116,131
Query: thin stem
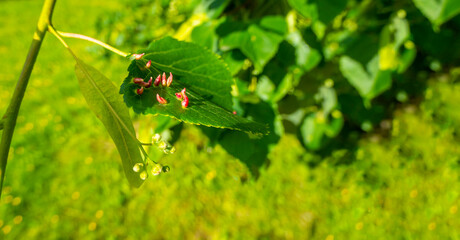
9,122
1,124
58,36
102,44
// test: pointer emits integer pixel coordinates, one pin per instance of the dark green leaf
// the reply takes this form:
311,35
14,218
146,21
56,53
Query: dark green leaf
406,59
253,151
200,111
195,68
235,60
205,77
103,99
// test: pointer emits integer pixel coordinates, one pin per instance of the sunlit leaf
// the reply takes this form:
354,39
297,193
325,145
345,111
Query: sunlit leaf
205,78
369,83
306,57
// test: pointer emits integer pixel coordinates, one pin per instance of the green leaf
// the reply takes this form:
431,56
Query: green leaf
200,110
316,128
356,75
329,97
438,11
406,59
401,31
259,42
212,8
307,10
103,99
195,68
312,132
205,77
323,10
203,35
369,83
253,152
265,88
235,60
289,81
164,123
306,57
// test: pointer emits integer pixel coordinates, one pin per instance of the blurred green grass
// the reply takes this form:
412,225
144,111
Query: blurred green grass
64,179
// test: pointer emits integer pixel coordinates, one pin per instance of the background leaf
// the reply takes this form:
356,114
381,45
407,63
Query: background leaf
103,99
438,11
369,83
258,41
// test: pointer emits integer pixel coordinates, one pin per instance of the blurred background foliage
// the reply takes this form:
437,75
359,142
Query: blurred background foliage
360,97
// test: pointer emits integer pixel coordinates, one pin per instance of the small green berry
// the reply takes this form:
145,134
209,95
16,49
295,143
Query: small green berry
165,169
156,170
143,175
137,167
156,138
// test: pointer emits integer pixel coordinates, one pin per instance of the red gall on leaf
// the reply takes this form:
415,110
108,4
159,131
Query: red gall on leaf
180,95
140,90
185,102
138,56
163,80
234,112
170,79
184,96
161,100
149,63
138,80
157,80
149,83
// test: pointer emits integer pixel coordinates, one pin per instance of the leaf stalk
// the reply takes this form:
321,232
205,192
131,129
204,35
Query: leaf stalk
90,39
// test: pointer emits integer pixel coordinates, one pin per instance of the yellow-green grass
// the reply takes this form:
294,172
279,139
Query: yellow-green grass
64,179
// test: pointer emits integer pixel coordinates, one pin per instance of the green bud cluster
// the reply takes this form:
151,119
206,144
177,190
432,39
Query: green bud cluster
150,166
163,145
154,168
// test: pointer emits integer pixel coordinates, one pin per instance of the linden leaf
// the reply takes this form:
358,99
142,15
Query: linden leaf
205,77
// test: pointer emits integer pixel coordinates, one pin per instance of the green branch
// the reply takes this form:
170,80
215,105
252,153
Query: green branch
9,122
1,124
90,39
